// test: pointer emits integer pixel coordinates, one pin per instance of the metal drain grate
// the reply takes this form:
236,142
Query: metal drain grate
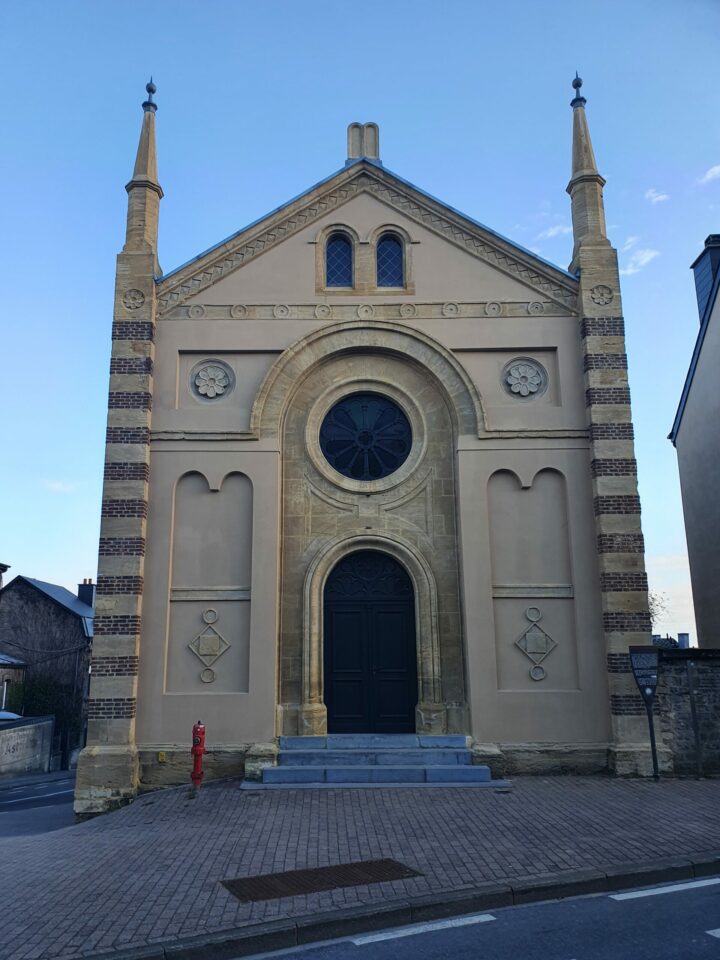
293,883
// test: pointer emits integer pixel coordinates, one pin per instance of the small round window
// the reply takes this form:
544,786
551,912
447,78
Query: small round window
365,436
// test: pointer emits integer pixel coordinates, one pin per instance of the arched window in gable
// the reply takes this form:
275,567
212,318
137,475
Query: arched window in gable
390,261
338,261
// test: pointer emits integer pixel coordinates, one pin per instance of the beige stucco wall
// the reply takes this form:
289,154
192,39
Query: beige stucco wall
479,318
699,464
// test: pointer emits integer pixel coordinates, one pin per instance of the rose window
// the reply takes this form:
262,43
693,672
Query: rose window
365,436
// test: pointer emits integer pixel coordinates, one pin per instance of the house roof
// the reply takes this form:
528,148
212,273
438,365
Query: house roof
704,321
7,661
62,596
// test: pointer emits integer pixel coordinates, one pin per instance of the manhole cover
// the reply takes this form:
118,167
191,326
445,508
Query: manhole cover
293,883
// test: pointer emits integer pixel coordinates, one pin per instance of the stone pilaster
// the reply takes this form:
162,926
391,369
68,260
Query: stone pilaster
108,767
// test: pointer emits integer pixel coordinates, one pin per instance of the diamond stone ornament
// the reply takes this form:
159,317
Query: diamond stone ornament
535,643
209,645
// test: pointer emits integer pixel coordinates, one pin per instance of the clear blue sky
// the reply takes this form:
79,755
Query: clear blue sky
472,99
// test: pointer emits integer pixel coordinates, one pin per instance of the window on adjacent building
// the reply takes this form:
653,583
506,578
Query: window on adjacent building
338,261
390,268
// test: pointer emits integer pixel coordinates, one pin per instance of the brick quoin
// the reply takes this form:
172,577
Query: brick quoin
135,400
637,622
120,584
602,396
605,361
616,663
124,470
622,582
133,330
614,468
116,708
115,666
122,546
616,504
628,705
602,327
612,431
131,365
620,543
139,435
124,508
127,626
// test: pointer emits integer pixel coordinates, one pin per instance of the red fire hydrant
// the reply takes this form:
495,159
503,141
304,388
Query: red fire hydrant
197,750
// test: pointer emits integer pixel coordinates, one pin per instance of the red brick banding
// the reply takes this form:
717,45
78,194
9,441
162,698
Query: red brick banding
602,327
623,582
133,330
124,508
626,704
121,584
635,622
605,361
125,625
616,504
614,467
115,708
602,396
122,546
611,431
127,470
131,365
620,543
617,663
128,435
130,400
115,666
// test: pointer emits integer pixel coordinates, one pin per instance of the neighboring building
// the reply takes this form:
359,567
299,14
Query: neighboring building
4,567
12,670
369,467
698,449
50,630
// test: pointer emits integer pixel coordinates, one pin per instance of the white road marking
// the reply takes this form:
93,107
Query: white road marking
60,793
673,888
421,928
714,933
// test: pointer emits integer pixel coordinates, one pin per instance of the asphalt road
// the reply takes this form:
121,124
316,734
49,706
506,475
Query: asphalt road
670,922
36,805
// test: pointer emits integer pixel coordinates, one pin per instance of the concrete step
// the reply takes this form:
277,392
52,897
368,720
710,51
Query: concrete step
374,773
502,786
398,758
375,741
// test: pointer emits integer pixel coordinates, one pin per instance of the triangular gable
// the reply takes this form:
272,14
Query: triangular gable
364,176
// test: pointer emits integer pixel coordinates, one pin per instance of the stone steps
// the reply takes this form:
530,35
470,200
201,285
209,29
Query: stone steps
374,760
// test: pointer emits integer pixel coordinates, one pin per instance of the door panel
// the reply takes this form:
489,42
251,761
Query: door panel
369,646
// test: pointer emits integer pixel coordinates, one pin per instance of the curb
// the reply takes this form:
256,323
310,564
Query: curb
284,934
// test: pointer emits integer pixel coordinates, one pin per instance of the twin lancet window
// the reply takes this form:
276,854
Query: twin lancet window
340,261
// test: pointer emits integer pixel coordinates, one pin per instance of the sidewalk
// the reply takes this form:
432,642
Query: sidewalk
148,875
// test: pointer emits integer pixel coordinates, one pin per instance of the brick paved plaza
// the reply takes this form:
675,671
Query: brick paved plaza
150,872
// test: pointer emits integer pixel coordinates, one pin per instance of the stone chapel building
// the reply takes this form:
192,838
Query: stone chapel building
369,468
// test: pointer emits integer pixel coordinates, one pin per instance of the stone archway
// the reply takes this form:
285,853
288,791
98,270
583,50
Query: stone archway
431,712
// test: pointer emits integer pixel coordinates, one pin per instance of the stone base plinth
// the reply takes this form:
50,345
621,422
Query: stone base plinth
506,759
635,760
107,778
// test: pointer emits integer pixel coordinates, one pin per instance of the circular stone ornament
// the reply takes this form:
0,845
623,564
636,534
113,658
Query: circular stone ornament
601,294
207,675
323,311
492,309
196,312
281,311
537,672
408,310
450,310
535,308
238,311
365,436
211,380
133,299
366,311
524,378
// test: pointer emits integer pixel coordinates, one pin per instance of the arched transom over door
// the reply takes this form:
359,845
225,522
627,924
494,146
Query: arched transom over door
370,654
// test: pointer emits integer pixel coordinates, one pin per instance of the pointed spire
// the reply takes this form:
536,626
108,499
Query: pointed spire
144,190
586,184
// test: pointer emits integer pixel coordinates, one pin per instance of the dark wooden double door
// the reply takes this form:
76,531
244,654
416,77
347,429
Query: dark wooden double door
370,647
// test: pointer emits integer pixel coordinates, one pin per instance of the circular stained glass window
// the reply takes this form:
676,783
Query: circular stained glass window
365,436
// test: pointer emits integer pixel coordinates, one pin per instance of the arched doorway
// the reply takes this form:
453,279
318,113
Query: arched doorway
370,654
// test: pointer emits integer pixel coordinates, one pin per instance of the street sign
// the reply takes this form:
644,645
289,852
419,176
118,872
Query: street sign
644,662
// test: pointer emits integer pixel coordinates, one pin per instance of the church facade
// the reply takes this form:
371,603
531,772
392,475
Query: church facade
369,468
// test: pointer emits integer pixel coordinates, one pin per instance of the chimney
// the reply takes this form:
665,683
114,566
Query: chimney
86,592
706,269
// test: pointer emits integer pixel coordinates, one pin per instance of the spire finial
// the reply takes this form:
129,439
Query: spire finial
150,104
578,100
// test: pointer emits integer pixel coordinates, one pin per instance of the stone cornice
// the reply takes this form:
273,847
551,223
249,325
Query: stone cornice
224,259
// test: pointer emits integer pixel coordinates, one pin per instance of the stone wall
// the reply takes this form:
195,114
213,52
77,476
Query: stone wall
25,746
675,729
